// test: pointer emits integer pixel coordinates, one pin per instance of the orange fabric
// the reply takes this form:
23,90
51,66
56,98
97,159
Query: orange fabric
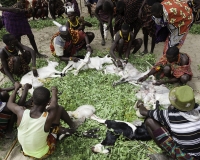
176,69
179,14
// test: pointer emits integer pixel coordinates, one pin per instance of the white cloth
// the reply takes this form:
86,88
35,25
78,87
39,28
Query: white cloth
192,116
2,106
59,44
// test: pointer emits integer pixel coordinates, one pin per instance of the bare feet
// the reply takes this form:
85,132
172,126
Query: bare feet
39,55
103,42
144,52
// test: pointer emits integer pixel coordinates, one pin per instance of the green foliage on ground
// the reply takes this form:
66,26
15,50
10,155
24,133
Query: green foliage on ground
195,29
95,88
117,103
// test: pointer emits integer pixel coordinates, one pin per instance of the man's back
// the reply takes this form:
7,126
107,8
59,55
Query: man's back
32,136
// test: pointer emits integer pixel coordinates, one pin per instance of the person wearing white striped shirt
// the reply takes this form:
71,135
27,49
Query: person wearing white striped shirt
176,130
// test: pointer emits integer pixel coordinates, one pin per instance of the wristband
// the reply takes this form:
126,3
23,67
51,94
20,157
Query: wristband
87,45
33,67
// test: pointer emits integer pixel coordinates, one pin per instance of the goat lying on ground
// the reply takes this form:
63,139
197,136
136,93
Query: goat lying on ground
148,92
93,63
44,72
126,129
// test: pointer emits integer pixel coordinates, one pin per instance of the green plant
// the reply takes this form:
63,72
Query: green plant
195,29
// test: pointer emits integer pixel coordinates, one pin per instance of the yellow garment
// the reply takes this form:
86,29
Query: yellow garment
31,135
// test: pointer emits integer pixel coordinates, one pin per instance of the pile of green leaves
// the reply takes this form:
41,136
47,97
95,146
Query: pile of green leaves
95,88
195,29
116,103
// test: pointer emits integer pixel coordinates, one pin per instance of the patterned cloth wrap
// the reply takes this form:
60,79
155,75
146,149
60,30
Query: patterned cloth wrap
176,70
24,66
130,15
179,14
17,23
147,21
167,143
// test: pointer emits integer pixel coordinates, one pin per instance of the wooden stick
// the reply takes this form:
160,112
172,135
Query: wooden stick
11,148
80,6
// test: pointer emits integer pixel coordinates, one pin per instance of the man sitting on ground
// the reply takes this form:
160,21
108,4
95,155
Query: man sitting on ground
67,42
174,65
176,130
7,118
124,42
14,63
38,127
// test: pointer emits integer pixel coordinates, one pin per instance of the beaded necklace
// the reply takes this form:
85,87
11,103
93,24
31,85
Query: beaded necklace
129,36
9,50
74,25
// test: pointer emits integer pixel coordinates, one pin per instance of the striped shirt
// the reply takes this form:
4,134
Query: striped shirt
184,132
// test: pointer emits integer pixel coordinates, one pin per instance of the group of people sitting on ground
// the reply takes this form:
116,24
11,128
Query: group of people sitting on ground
42,119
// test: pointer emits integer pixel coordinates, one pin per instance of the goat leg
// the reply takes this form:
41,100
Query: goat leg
123,80
94,117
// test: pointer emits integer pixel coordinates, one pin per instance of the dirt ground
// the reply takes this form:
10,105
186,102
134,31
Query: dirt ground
43,36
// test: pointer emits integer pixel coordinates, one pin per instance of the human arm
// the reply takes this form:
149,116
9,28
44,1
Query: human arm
112,50
97,9
160,116
12,106
142,79
172,80
89,49
11,9
22,99
52,109
140,10
128,50
4,63
7,89
143,111
33,57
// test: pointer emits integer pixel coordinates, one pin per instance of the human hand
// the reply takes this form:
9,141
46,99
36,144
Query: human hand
54,89
89,49
140,14
27,86
157,83
126,60
119,63
142,79
17,85
35,73
139,103
75,59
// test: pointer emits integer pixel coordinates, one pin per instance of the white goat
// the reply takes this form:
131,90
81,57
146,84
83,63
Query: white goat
148,92
93,63
44,72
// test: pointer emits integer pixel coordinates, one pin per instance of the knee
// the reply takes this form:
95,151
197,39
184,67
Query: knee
121,42
185,78
4,96
167,70
149,122
140,41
